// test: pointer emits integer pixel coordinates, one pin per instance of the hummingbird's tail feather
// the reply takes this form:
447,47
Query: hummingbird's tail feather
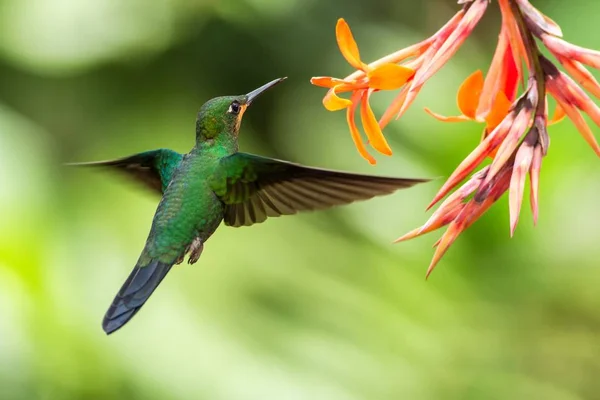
136,290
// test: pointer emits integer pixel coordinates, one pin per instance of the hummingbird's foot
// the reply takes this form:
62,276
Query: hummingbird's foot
180,259
195,250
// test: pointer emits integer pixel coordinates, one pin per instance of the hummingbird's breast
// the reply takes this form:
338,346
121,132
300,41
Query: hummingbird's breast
189,208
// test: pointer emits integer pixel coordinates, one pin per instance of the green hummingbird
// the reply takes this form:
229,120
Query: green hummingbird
213,183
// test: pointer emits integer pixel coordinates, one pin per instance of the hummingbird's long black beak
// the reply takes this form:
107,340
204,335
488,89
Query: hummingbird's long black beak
257,92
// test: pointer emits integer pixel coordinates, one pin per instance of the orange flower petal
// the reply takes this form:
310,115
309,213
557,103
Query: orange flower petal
371,127
358,142
326,81
443,118
559,115
468,94
389,76
394,58
333,102
347,44
403,99
498,112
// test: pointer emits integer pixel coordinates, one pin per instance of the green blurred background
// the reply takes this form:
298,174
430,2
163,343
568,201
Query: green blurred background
319,306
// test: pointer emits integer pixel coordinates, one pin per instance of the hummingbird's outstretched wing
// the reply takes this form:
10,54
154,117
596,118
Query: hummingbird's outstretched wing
152,168
254,188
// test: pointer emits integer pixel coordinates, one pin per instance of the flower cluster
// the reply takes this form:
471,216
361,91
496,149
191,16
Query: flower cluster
515,136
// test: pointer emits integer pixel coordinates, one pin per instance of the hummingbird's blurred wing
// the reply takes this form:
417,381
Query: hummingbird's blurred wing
152,168
254,188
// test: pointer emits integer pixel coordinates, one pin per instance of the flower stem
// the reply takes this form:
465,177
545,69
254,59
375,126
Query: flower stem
533,54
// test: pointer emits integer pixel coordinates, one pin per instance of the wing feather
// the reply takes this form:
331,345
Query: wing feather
154,169
254,188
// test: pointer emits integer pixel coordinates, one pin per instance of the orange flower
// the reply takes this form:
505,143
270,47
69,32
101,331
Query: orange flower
386,76
421,61
515,136
468,99
489,100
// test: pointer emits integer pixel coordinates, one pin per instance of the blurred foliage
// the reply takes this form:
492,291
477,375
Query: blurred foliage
318,306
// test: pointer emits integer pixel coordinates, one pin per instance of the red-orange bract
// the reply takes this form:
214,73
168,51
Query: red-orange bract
515,136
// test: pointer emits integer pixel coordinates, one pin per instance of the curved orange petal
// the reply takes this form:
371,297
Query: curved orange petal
389,76
326,81
469,93
499,110
347,44
559,115
371,127
358,142
443,118
333,102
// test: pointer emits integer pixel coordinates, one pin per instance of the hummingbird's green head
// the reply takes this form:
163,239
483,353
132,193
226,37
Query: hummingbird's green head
224,114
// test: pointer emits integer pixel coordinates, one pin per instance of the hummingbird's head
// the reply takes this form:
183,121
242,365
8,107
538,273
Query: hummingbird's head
224,114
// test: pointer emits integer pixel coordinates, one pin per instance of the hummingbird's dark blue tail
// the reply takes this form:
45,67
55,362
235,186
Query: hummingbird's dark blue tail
138,287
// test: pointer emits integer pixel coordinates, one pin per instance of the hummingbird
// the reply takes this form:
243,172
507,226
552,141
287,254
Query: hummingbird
216,183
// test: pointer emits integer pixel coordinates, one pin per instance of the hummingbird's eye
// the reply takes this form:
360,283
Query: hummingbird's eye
234,108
